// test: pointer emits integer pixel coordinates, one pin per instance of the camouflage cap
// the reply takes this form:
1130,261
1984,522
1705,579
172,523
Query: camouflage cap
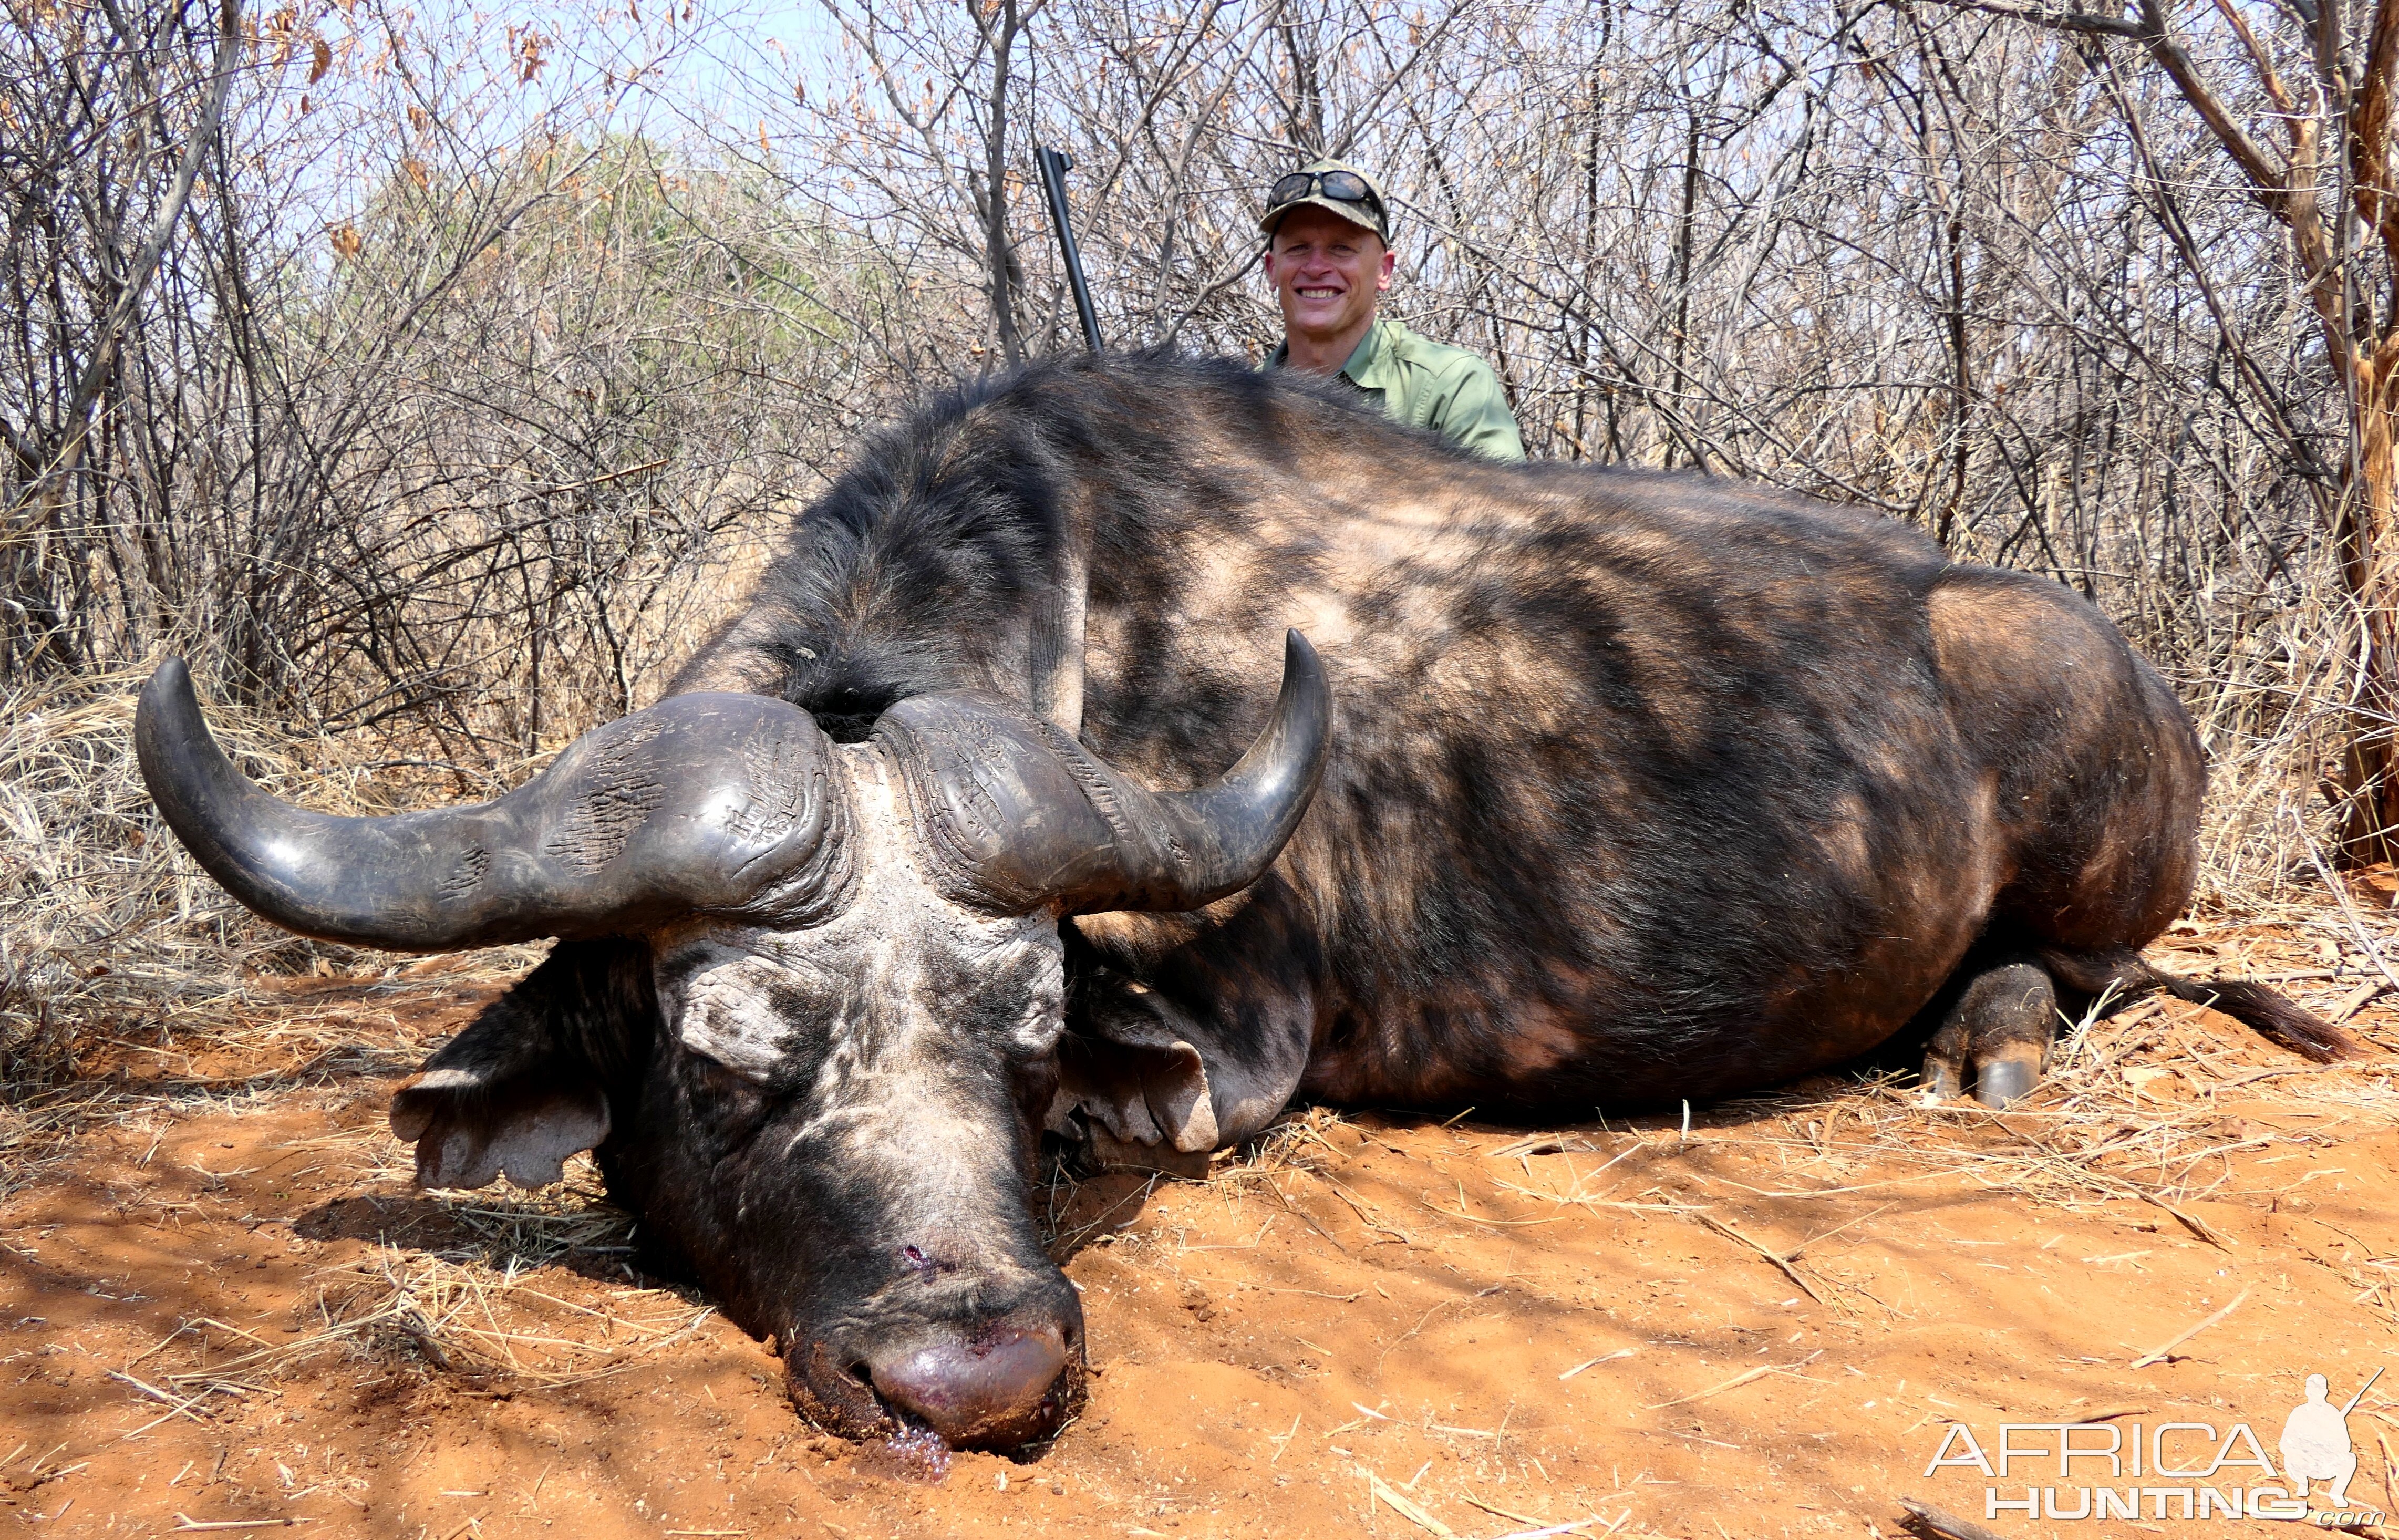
1325,181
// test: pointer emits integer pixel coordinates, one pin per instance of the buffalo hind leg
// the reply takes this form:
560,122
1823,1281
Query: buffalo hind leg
1998,1023
2002,1015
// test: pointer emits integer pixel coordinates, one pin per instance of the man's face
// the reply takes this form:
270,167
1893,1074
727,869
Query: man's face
1327,271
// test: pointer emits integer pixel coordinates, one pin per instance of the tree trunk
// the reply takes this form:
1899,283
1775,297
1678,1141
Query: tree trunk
2369,831
997,245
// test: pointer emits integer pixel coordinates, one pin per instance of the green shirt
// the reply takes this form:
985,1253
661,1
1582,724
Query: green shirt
1429,384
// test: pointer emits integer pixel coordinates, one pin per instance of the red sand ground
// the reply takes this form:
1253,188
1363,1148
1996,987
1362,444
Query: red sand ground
1377,1325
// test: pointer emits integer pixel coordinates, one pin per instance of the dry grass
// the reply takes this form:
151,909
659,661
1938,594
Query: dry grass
489,1326
482,1302
103,927
2274,718
126,974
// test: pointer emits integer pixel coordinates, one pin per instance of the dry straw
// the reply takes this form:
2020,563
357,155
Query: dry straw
128,977
484,1300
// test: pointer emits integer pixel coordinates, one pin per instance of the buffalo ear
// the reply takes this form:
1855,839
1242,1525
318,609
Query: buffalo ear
469,1129
1134,1090
1103,1151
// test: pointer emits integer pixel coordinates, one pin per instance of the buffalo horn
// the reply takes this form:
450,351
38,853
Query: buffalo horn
703,804
1013,815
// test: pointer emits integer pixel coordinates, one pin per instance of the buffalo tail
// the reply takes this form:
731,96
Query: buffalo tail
2269,1014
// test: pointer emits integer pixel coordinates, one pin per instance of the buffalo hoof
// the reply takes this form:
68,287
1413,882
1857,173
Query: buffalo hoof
2001,1081
2000,1020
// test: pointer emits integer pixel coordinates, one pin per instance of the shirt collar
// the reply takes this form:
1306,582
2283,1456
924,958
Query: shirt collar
1367,361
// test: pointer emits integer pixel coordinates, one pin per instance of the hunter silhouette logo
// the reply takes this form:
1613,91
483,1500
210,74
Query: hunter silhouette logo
2127,1469
2315,1441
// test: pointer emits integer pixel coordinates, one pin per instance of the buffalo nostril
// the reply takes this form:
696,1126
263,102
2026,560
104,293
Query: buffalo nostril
970,1390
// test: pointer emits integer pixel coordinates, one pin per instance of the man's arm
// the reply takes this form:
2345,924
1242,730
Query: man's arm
1473,413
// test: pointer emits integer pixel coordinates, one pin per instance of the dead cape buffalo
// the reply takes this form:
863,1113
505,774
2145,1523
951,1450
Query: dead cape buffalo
1626,788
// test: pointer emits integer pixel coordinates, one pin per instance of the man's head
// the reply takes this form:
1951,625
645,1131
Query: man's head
1328,253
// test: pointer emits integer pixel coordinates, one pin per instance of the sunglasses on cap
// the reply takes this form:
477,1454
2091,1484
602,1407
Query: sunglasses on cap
1340,186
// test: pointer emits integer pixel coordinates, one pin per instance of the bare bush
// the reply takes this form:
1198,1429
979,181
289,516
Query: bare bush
381,367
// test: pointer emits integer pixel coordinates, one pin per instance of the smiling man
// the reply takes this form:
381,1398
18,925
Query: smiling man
1329,257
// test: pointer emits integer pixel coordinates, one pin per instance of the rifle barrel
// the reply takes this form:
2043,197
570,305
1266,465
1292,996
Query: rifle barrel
1054,167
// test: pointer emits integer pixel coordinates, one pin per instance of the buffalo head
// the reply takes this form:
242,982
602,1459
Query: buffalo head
850,960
